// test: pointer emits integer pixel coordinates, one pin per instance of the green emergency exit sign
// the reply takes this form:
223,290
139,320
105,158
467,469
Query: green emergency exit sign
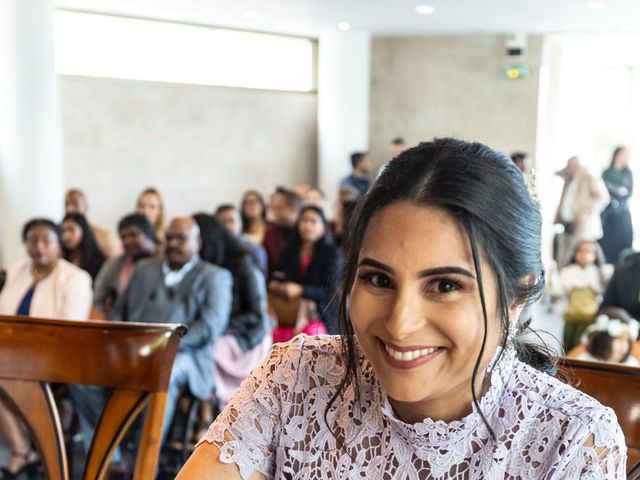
514,71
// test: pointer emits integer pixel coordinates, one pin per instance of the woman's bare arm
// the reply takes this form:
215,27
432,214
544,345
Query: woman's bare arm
205,464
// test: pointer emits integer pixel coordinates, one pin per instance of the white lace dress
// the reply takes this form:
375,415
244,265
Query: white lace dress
275,424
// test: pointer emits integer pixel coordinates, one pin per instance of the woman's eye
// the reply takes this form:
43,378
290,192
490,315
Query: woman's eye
445,286
378,280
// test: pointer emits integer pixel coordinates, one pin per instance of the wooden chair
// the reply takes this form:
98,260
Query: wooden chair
616,386
134,360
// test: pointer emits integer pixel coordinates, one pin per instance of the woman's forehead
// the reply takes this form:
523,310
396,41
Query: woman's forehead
406,233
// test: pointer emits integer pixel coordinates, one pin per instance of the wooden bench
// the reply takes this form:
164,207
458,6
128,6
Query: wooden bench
616,386
134,360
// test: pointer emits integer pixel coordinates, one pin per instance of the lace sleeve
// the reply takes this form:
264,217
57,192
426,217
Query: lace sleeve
603,450
247,430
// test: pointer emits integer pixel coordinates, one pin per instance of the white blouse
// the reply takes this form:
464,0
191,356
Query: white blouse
275,424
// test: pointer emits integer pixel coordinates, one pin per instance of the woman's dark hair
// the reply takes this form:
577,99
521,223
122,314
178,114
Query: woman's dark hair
41,222
484,191
92,256
218,245
600,344
246,221
616,152
294,244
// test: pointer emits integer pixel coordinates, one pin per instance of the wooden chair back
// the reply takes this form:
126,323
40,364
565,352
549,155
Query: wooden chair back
616,386
134,360
284,310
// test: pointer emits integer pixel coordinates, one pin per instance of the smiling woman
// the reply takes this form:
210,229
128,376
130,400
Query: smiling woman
432,377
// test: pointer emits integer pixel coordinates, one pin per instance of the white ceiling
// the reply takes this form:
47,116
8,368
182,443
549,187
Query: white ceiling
383,17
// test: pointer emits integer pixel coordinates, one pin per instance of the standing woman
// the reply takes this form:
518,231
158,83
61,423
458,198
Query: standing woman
253,211
434,376
616,219
150,205
79,245
310,268
44,285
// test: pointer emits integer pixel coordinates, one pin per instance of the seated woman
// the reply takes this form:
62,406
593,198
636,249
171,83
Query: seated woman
309,268
79,245
44,285
610,338
246,340
253,212
151,205
434,377
139,241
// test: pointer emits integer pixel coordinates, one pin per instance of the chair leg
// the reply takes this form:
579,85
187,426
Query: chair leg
192,420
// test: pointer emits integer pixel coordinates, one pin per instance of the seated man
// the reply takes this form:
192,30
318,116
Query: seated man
179,288
284,207
139,242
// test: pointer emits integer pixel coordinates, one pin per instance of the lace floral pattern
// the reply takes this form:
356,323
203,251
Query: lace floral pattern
275,425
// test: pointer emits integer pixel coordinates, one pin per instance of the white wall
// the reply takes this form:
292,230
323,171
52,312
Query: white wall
422,87
30,144
200,146
343,104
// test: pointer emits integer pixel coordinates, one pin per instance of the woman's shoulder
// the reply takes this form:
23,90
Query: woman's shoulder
290,365
554,399
68,271
305,351
18,267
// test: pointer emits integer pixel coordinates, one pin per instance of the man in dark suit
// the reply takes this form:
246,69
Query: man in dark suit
177,288
181,288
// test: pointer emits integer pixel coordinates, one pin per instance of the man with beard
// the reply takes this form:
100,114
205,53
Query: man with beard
177,288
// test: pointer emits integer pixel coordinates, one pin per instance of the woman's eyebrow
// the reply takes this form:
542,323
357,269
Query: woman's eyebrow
440,270
370,262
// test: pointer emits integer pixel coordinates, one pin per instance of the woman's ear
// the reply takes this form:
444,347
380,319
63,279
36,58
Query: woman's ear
515,311
519,304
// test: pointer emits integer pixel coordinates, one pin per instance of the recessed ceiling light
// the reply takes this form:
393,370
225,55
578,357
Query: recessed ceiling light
250,14
344,27
425,9
596,5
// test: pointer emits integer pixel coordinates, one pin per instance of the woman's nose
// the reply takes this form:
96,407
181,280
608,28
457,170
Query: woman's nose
406,315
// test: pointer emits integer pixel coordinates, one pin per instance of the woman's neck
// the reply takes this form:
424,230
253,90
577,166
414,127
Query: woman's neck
76,256
256,225
40,272
455,405
307,249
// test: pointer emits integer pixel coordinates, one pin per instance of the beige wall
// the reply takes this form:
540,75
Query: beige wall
422,87
199,145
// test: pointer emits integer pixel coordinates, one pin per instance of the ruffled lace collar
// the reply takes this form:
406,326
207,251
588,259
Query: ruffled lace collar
434,433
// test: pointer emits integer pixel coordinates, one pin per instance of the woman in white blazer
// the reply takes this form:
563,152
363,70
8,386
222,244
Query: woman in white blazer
43,285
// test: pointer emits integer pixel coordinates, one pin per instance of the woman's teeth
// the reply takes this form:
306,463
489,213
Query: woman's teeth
411,355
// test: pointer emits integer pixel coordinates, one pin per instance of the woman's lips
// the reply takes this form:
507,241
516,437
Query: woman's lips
408,357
